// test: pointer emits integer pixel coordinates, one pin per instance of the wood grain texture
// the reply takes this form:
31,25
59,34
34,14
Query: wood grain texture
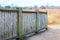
7,24
29,22
42,20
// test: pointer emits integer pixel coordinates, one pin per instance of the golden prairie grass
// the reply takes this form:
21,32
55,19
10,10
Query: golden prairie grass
53,16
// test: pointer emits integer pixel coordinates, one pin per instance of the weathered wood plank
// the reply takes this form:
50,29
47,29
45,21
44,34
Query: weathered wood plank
42,21
20,23
29,22
8,24
37,19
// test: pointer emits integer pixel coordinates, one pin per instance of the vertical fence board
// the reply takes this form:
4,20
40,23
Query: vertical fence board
0,25
42,20
8,25
29,22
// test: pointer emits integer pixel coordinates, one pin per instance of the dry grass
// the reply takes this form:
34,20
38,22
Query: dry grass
53,16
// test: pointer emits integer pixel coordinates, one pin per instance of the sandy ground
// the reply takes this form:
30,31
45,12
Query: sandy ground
53,33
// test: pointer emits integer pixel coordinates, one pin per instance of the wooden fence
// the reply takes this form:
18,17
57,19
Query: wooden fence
20,23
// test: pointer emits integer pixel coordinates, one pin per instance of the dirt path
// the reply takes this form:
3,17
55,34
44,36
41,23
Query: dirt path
52,34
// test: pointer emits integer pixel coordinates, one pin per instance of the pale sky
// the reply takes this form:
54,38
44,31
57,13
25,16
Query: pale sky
30,2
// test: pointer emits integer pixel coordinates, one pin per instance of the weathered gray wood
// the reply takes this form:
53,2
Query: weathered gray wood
20,23
42,21
8,25
0,25
29,22
25,22
37,19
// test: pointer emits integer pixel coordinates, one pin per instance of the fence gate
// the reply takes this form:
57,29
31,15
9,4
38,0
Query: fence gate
34,22
29,23
42,21
8,21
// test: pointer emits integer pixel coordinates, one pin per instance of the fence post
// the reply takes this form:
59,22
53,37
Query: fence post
20,23
46,20
37,19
